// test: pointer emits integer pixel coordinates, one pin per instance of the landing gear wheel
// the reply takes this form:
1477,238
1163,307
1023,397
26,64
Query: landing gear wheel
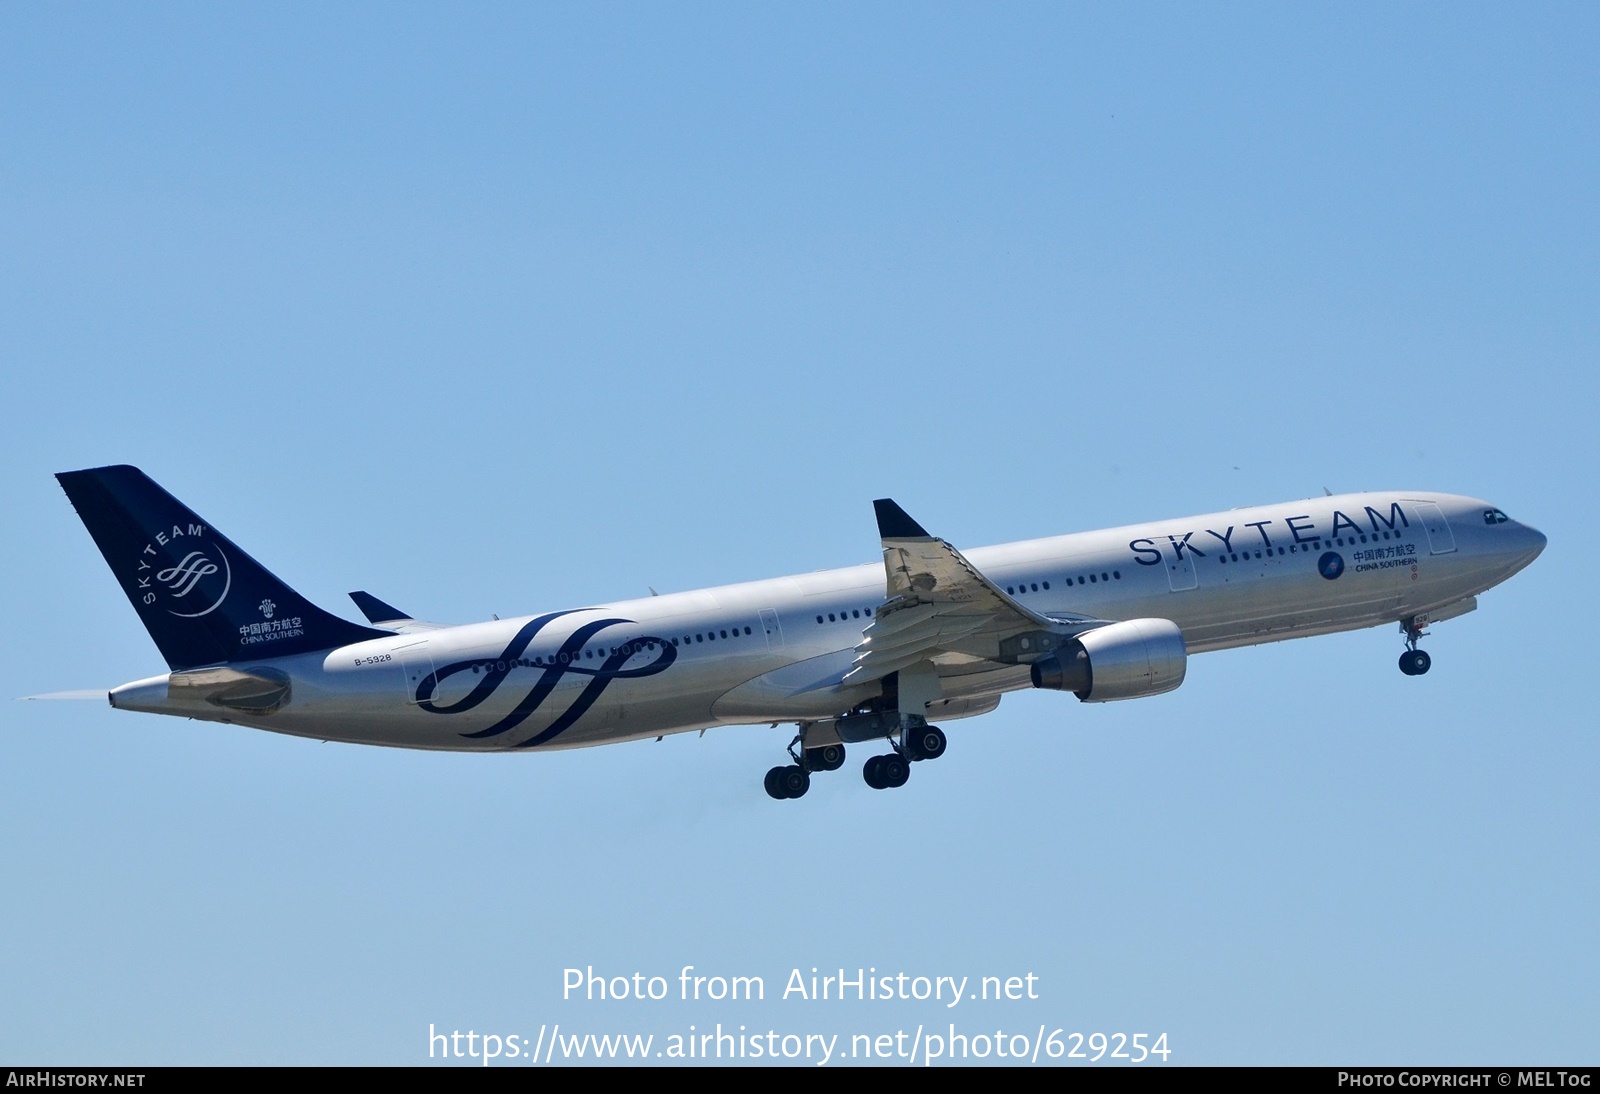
927,743
774,783
794,780
826,757
872,772
1415,662
893,770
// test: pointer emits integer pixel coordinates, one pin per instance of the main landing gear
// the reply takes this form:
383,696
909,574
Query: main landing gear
1413,662
922,742
787,782
793,780
886,772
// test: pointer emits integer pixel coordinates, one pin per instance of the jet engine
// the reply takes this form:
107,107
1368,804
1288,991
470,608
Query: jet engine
1124,660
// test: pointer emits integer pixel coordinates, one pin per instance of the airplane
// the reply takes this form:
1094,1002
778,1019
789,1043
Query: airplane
873,654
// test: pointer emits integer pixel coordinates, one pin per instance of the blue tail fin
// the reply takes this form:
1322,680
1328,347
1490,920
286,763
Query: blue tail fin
203,600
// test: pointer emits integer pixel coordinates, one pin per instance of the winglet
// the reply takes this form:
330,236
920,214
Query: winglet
376,610
895,523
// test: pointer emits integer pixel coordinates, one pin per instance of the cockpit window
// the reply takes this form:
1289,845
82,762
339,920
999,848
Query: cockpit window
1494,516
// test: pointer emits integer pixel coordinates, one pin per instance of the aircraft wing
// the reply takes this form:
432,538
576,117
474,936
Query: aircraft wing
940,608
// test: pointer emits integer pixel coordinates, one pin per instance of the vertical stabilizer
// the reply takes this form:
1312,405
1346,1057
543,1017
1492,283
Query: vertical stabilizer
203,600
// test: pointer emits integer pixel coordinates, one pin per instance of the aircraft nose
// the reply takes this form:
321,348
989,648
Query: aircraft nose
1530,546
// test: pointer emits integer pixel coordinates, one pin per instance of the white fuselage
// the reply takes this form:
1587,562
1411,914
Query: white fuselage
777,650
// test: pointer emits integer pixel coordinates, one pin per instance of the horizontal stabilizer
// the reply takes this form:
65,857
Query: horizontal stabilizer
389,617
377,612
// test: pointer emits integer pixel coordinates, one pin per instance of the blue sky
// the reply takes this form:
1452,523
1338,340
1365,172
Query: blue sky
513,308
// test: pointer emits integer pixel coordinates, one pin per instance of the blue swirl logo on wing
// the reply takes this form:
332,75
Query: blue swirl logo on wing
495,673
1330,565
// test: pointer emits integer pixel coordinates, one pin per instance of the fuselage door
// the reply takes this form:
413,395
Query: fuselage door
1441,541
769,623
1180,571
416,665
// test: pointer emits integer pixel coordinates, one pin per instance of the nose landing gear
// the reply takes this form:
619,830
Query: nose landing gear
1414,662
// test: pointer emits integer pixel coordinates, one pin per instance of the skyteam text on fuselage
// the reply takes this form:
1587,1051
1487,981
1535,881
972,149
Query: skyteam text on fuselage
874,653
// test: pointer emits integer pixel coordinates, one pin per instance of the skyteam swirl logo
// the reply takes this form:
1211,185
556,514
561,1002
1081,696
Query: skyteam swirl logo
182,578
617,664
1330,565
194,585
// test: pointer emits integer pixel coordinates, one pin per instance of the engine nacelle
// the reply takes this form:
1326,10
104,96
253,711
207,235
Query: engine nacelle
1124,660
